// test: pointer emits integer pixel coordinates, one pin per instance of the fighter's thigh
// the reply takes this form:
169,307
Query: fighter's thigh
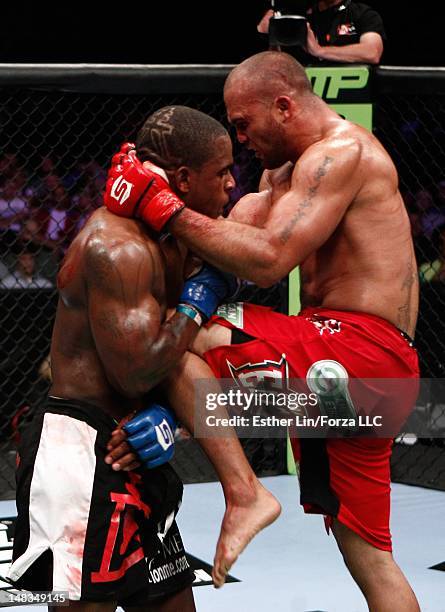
182,600
87,606
210,337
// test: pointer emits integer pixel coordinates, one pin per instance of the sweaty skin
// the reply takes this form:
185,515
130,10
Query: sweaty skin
368,262
340,217
115,283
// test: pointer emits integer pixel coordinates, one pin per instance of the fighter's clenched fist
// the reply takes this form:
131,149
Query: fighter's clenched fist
140,190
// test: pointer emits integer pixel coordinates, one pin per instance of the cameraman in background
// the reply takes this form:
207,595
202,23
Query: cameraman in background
330,31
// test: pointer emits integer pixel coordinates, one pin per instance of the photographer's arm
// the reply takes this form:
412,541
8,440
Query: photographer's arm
369,50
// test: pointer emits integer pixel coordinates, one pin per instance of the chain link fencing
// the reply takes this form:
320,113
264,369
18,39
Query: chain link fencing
410,122
59,129
56,146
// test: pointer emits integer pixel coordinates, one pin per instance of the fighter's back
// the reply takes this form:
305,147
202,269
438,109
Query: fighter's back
77,363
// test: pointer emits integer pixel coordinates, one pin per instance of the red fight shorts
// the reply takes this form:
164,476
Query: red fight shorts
343,478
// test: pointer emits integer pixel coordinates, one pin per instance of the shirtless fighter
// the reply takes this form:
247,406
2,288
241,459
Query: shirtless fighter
329,203
82,526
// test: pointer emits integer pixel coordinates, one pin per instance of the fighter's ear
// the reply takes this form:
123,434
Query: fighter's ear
181,177
283,106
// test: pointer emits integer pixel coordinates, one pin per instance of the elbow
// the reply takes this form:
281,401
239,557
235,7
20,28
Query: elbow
265,281
268,279
270,271
373,54
374,58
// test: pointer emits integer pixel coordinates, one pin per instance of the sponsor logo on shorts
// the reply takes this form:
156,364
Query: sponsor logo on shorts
267,373
327,325
267,384
329,380
186,562
121,190
170,559
167,570
234,313
123,522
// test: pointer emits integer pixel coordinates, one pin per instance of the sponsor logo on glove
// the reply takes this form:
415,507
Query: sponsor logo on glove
164,434
121,190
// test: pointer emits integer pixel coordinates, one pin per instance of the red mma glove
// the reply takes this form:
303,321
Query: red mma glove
140,190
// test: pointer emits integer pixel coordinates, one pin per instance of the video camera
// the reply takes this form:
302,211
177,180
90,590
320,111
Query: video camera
288,26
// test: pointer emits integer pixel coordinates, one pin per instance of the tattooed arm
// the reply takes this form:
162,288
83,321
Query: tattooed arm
324,183
136,346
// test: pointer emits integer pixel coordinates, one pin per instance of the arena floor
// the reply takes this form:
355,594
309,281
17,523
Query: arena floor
294,566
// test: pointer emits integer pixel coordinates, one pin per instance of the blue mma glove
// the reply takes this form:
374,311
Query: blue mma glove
151,433
204,291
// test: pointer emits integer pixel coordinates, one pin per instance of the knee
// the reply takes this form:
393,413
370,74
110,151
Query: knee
376,569
360,556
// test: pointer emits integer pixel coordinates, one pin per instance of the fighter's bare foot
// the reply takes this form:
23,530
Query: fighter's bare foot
241,523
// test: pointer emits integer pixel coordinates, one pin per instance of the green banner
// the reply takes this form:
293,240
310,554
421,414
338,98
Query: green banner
340,84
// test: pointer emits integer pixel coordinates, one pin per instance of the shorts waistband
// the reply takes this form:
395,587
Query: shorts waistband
90,413
406,336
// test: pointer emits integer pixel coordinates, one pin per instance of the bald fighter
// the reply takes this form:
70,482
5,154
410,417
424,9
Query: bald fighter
108,537
329,203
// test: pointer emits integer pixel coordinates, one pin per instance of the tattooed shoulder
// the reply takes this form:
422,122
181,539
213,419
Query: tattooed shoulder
307,201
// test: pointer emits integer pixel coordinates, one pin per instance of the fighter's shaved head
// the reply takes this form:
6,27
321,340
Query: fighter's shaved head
267,75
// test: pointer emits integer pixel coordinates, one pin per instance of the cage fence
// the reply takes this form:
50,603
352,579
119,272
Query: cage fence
59,129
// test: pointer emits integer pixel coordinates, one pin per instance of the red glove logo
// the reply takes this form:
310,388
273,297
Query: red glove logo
121,190
140,190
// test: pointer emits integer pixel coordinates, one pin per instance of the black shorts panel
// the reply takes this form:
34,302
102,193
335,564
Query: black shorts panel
315,490
103,527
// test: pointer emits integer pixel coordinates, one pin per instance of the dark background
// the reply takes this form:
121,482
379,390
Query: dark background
185,32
